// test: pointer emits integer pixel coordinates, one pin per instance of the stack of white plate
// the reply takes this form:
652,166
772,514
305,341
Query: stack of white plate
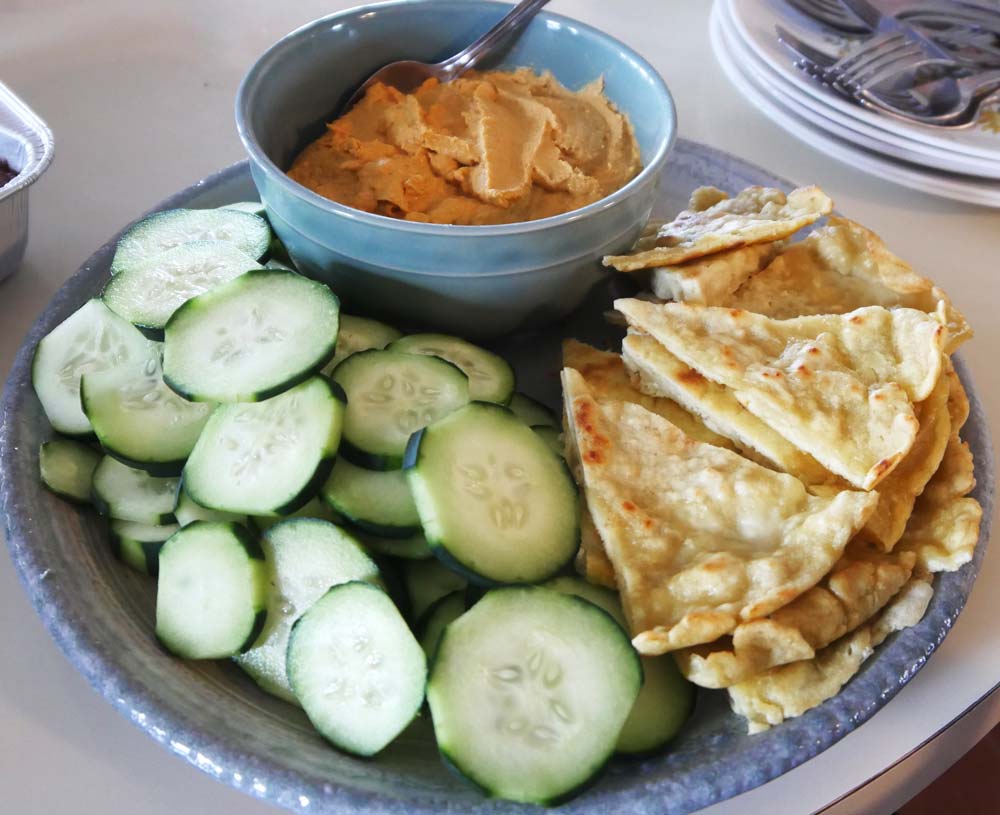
960,164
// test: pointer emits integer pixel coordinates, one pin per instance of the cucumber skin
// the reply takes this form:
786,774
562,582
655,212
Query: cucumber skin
410,460
257,396
150,551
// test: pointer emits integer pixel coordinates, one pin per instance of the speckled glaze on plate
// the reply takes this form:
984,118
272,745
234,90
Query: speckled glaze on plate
101,613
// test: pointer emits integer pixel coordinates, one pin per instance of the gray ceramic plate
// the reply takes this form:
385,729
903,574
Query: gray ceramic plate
101,614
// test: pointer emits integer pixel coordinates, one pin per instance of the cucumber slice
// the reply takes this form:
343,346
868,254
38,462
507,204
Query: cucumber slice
413,548
138,419
274,263
187,511
67,468
138,545
250,207
165,230
305,557
267,457
491,379
390,395
552,437
250,338
376,502
128,494
432,624
666,700
529,690
313,508
147,293
427,582
91,339
495,503
210,591
532,412
356,668
360,334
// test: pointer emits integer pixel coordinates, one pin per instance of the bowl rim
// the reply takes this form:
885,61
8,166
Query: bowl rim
260,158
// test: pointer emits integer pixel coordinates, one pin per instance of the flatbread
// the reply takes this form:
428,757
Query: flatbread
943,536
955,477
790,690
658,372
700,538
899,490
857,588
958,400
591,559
711,280
838,268
756,215
608,378
839,387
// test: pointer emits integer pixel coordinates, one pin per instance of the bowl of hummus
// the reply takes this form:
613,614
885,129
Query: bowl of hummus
481,206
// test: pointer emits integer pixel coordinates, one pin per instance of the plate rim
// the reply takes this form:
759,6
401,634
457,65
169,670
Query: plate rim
831,721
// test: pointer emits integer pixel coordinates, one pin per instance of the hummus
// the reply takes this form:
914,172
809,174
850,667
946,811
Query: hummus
488,148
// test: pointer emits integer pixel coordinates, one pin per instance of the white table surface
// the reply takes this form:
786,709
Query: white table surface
140,97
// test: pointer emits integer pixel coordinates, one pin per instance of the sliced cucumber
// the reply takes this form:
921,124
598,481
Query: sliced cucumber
128,494
91,339
305,557
313,508
360,334
165,230
210,591
494,501
138,419
138,545
413,548
250,207
532,412
267,457
250,338
433,622
529,690
491,379
356,668
552,437
147,293
427,582
187,511
389,396
666,700
67,468
376,502
274,263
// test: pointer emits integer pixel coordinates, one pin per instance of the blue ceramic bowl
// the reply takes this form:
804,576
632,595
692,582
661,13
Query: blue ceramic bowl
474,280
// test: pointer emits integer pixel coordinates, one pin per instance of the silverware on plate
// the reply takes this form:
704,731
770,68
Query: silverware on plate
865,76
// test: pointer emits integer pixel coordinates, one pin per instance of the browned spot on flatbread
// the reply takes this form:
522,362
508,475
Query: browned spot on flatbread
628,506
690,377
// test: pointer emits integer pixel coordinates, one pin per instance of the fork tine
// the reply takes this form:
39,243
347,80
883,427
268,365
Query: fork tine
873,50
897,57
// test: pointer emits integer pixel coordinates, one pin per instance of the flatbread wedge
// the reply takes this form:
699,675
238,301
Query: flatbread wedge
607,376
899,490
790,690
658,372
838,268
699,537
756,215
713,279
839,387
857,588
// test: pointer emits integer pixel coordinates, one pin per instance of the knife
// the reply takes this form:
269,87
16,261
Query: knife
885,24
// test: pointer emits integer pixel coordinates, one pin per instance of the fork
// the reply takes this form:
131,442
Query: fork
835,15
875,62
969,94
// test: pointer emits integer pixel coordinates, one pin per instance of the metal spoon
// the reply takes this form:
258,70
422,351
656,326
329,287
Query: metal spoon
407,75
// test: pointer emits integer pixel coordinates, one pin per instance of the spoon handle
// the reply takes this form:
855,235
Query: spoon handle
512,22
